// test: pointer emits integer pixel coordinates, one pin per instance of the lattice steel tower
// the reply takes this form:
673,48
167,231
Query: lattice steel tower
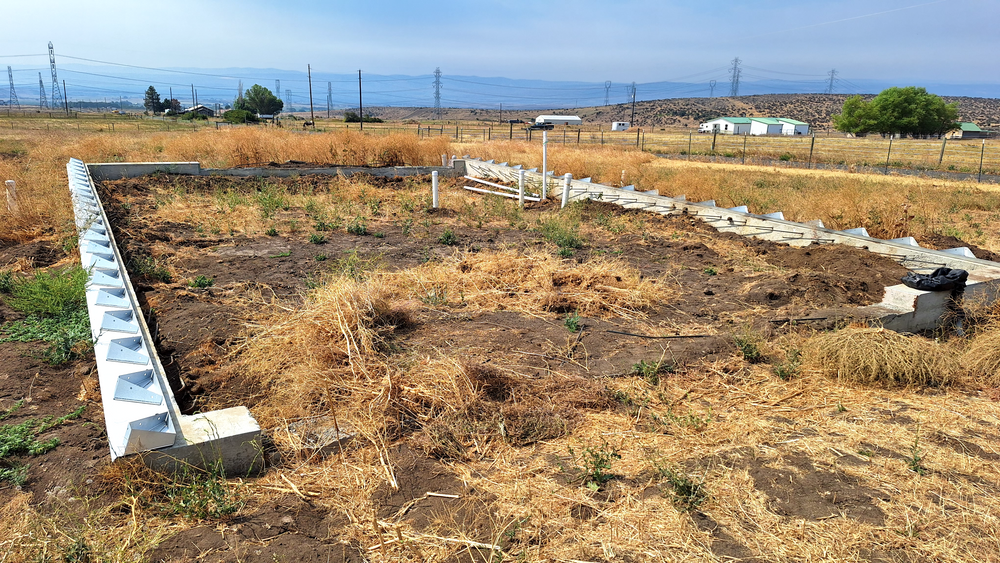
41,93
833,76
277,89
734,87
57,97
711,88
437,92
13,94
607,92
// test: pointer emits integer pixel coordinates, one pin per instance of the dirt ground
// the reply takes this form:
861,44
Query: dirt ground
723,284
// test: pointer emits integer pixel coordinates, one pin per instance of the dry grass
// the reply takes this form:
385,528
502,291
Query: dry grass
881,358
982,357
888,206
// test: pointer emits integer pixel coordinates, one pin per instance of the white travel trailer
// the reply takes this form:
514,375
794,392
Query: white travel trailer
558,120
620,125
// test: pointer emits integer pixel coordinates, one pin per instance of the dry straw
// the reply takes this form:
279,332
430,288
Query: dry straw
880,357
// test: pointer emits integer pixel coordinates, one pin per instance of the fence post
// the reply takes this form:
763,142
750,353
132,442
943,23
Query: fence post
637,137
690,137
714,135
567,179
520,188
511,131
982,153
643,147
888,154
812,145
745,148
545,163
944,143
434,189
602,133
578,136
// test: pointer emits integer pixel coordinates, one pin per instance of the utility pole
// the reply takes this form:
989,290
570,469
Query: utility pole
312,114
171,100
607,92
41,94
361,103
57,97
193,102
13,95
501,112
437,92
711,88
734,88
632,120
329,98
833,76
66,98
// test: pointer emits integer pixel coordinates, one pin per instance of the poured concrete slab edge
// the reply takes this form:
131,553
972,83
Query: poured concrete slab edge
140,412
902,308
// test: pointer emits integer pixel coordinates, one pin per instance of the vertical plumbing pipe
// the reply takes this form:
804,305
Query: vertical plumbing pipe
11,196
434,189
566,181
545,162
520,188
444,160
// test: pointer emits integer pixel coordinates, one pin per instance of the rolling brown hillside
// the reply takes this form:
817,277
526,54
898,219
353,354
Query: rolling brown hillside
814,109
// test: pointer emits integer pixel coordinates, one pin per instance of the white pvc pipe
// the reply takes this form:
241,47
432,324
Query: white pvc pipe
520,188
566,181
545,162
11,196
434,189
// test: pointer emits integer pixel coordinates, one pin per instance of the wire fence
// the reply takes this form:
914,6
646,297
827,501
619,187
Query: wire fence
977,158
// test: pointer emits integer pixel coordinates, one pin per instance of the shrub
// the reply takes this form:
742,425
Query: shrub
239,116
50,293
202,282
879,357
448,238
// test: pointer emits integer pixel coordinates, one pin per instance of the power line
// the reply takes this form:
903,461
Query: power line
41,93
13,94
734,87
57,97
437,92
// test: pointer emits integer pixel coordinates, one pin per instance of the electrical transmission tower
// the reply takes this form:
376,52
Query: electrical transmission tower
734,88
13,94
41,94
329,98
57,97
607,92
277,88
437,92
288,96
833,76
711,88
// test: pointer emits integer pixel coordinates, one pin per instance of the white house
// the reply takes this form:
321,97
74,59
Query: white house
793,127
620,125
765,126
559,120
726,126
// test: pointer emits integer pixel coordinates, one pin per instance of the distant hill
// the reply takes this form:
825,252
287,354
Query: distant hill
814,109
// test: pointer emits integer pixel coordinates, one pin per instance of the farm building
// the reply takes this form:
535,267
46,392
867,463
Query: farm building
968,130
726,126
201,110
793,127
559,119
765,126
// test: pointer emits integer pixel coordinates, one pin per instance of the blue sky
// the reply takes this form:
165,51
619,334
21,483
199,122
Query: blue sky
584,40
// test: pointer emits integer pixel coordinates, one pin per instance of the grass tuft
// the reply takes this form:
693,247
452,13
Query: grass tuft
879,357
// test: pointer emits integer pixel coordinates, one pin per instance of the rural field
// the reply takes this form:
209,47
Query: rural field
541,384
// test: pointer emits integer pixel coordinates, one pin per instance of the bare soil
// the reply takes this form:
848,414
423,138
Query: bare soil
718,293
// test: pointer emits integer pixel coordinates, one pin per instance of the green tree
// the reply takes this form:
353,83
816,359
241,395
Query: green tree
903,111
261,101
152,101
855,118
